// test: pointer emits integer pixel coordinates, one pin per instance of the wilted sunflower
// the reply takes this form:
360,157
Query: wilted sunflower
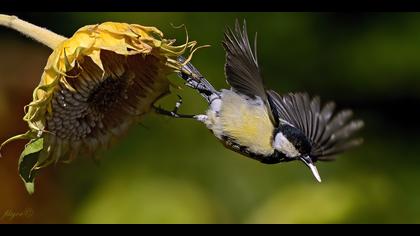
95,85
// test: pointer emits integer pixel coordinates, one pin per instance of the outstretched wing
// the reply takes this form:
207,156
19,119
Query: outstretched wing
329,134
241,67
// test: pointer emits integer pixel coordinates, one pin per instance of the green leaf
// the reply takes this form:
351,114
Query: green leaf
27,161
27,135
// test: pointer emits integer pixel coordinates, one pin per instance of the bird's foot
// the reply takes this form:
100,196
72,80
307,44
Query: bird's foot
174,113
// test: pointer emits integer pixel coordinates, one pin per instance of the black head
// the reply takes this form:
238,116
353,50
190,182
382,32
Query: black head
296,137
294,144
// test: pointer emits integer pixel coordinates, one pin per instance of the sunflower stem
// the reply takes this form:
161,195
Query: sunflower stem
42,35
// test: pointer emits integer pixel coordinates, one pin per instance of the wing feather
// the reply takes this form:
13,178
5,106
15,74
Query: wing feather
241,67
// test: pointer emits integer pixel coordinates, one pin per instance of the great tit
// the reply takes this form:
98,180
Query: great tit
260,123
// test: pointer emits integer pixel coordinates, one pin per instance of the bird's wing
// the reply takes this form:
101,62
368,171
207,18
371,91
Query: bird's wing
329,134
241,67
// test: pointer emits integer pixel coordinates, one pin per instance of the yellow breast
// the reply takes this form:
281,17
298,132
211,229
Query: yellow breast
247,122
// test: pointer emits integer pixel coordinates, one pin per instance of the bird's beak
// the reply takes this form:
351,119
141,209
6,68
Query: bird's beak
308,161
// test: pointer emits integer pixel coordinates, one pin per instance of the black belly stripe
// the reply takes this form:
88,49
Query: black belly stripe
276,157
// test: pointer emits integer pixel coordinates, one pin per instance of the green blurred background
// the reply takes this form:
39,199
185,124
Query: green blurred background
175,171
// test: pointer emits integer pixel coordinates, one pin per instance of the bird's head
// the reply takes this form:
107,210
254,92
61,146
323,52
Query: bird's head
294,144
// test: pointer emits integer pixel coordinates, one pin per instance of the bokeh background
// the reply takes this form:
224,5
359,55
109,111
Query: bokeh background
174,171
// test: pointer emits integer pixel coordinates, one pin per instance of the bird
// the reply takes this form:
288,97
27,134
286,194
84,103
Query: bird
259,123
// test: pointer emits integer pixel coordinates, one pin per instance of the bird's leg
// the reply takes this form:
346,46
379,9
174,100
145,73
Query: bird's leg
174,113
195,80
197,83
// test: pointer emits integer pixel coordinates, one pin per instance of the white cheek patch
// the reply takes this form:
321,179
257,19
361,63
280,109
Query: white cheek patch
283,145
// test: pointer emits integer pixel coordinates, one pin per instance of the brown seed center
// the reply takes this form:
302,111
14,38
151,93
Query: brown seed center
107,94
102,104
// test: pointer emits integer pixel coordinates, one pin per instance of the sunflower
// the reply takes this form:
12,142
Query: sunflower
96,84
